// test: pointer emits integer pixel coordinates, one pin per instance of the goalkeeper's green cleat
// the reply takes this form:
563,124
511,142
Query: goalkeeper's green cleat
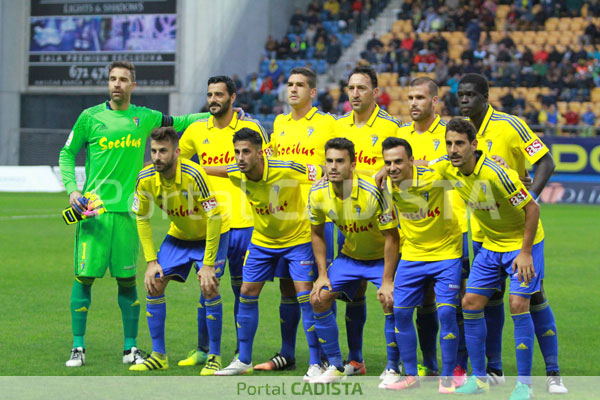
194,357
212,365
150,364
473,385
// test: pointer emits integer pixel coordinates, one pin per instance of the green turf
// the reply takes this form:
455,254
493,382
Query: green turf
37,275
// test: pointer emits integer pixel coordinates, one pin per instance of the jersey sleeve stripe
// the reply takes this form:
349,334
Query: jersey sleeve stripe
508,185
515,124
389,118
143,175
198,178
375,193
368,184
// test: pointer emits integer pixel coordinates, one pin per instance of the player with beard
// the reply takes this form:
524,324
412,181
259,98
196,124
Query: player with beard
114,135
426,135
366,126
199,236
509,137
211,139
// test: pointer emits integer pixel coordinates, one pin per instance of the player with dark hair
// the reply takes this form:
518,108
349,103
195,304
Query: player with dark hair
513,246
366,126
431,255
280,232
210,138
509,137
199,236
370,251
114,135
426,137
300,136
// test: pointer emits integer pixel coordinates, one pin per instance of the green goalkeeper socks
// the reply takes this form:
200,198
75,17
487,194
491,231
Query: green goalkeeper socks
130,310
81,298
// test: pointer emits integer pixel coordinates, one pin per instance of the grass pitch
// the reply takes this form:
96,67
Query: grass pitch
37,275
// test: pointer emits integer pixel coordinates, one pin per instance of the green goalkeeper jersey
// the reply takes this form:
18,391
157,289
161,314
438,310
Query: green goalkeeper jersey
115,143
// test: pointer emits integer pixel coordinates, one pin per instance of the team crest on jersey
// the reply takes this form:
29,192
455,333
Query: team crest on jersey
102,127
484,189
136,121
489,144
184,193
276,188
332,215
374,139
310,130
282,133
357,209
436,144
458,185
426,195
206,141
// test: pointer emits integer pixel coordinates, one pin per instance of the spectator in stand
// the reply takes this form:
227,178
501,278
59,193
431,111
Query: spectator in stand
508,101
267,85
238,82
408,42
254,84
554,55
334,50
507,41
274,71
310,34
438,44
473,33
539,70
320,48
314,6
267,101
345,10
298,48
244,100
591,35
374,43
578,54
552,117
384,99
588,119
571,119
312,17
441,72
271,47
283,51
425,61
513,17
297,21
332,7
542,54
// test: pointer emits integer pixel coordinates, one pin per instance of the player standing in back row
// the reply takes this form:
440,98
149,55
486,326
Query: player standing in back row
114,135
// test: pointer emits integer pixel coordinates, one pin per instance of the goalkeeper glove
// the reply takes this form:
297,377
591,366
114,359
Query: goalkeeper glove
92,206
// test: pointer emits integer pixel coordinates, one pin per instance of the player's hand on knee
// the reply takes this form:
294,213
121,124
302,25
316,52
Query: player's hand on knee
320,283
523,265
209,284
153,284
385,295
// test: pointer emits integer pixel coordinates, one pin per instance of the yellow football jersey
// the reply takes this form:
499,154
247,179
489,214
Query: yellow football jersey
214,147
496,197
188,200
276,202
368,138
431,145
360,217
509,137
302,141
431,231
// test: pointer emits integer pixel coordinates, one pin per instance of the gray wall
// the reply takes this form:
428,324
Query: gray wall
214,37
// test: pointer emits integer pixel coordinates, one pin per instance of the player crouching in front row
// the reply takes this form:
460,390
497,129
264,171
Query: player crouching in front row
370,250
199,235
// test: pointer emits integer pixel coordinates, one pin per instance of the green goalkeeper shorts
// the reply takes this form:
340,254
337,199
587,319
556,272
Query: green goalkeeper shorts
108,240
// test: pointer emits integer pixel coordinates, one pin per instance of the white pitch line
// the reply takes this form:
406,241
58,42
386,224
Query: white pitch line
11,217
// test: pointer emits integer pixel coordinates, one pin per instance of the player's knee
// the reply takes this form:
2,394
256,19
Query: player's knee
472,301
321,305
126,282
210,294
446,314
518,304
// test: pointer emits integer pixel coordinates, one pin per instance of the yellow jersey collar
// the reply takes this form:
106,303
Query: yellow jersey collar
486,120
232,124
371,120
158,180
308,115
479,164
354,194
432,127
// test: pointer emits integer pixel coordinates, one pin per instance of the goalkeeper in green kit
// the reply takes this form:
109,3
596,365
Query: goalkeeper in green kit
114,137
